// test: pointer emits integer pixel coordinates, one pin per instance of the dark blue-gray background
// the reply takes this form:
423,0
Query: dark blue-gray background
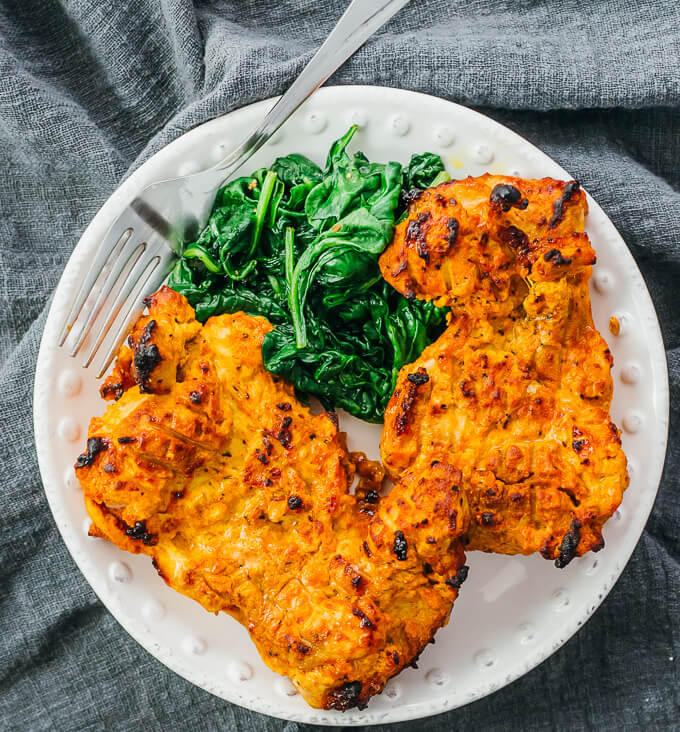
90,88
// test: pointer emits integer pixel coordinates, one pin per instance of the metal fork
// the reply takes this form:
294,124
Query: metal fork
143,243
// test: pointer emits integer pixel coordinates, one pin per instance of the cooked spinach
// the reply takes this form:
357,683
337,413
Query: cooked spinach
300,246
423,171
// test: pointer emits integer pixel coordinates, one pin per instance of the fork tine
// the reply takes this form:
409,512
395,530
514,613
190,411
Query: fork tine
140,267
126,260
110,248
150,279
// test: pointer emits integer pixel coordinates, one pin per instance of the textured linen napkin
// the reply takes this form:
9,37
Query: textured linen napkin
91,88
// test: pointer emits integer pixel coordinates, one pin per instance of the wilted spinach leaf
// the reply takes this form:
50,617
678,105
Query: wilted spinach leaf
422,171
300,246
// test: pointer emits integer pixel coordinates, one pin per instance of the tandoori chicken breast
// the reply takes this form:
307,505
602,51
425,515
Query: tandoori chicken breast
240,495
465,242
516,393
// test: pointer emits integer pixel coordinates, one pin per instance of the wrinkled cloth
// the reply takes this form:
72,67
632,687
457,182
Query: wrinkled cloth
89,89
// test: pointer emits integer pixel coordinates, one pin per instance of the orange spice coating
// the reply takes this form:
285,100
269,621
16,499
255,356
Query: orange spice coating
210,465
516,392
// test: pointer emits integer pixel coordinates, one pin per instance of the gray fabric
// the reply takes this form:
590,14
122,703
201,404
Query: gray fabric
90,88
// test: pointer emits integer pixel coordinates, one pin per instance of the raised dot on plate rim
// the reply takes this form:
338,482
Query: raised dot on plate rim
399,124
240,671
526,633
68,429
603,281
285,687
632,422
561,599
483,154
120,572
437,677
70,383
70,480
194,646
358,117
315,122
219,151
593,566
624,322
444,136
484,658
630,373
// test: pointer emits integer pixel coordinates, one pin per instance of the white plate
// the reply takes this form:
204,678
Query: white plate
513,611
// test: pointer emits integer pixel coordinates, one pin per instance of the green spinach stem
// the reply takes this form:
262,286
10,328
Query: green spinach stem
198,252
290,254
261,211
292,279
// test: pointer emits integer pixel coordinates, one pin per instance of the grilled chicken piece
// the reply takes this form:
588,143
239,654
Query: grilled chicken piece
212,467
516,392
464,242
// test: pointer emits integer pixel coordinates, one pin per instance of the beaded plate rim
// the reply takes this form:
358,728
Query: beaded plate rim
470,143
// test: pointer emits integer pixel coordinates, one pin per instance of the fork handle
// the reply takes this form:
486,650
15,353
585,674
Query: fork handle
361,19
